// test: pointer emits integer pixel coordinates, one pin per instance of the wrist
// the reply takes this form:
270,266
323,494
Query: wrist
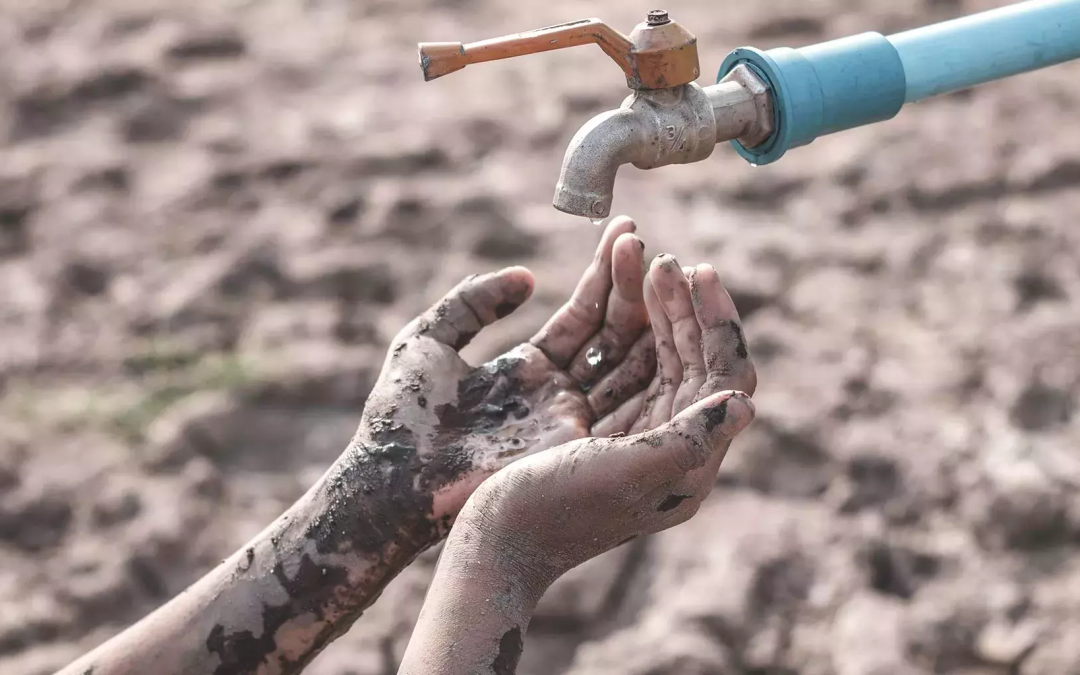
484,533
366,511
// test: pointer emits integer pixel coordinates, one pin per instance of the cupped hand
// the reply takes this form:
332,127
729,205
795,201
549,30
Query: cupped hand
456,424
576,501
555,510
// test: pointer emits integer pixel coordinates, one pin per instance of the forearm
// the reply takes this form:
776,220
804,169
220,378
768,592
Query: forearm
477,609
302,582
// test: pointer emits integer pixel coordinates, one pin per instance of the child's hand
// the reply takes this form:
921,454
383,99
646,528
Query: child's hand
555,510
451,426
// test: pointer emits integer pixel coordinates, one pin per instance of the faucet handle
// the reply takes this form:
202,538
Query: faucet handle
658,54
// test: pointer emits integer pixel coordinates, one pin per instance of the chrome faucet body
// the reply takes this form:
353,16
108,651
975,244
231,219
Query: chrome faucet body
659,127
651,129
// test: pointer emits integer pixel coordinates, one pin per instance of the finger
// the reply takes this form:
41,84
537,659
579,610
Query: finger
630,378
727,358
625,319
576,321
621,419
673,290
474,303
660,400
696,437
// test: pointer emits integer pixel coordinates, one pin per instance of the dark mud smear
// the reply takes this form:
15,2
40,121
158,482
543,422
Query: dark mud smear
312,590
510,647
672,502
715,416
486,399
740,341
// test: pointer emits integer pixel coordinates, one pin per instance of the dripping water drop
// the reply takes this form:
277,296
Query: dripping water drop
596,221
594,356
753,166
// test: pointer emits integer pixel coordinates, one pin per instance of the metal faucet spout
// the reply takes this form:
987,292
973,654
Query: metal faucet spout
606,142
652,128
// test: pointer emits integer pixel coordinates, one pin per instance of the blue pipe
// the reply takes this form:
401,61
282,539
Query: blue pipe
867,78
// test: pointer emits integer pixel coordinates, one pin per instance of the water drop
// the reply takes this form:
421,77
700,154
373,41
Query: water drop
594,356
753,166
596,221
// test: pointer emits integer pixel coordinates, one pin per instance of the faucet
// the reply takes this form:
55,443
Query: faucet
668,119
657,127
766,102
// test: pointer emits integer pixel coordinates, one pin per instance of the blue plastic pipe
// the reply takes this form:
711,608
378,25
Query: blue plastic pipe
867,78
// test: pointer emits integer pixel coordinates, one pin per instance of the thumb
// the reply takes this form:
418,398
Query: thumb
474,303
704,429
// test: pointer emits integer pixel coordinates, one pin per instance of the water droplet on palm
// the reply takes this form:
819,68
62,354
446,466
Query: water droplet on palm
594,357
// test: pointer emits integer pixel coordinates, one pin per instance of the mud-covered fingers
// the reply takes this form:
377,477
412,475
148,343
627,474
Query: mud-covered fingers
630,377
474,303
580,318
659,403
673,291
622,419
727,357
625,319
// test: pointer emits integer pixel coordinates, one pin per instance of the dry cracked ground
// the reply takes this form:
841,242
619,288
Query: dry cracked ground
214,215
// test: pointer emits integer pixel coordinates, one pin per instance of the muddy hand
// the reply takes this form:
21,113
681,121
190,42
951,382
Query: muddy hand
455,425
591,495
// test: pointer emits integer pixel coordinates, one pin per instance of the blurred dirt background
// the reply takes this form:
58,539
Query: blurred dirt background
214,215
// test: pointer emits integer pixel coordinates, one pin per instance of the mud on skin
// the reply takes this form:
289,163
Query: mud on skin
370,506
510,647
314,588
485,400
366,508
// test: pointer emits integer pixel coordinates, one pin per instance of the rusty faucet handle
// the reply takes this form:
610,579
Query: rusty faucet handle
658,54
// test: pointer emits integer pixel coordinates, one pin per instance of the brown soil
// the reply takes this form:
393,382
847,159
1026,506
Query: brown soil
213,216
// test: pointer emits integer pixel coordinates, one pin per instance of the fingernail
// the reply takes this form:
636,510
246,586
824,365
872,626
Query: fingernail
665,260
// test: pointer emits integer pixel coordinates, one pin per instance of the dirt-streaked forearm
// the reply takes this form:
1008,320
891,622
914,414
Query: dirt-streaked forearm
302,582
